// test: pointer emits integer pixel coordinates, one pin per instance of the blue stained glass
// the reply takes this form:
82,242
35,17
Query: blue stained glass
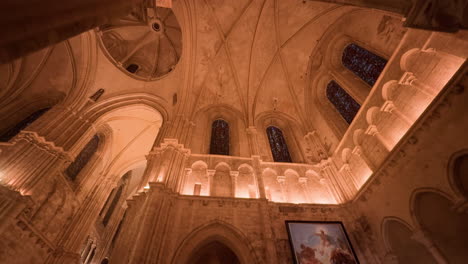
365,64
219,138
278,146
342,101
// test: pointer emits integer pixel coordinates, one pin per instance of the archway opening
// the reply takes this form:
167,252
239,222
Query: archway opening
214,253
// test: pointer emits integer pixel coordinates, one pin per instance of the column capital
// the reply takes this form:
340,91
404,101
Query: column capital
234,174
210,172
372,130
388,107
281,179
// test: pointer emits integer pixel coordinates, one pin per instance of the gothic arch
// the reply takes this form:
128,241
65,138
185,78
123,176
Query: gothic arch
204,119
432,211
213,231
292,132
399,243
458,184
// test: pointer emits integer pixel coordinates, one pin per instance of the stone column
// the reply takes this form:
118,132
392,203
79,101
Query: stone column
210,174
76,232
345,170
282,181
234,175
258,176
373,131
358,152
303,183
389,107
421,237
340,190
409,78
253,140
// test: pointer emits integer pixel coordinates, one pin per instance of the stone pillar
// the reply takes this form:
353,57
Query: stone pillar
340,190
166,164
389,107
258,176
409,78
282,181
76,232
234,175
345,170
210,174
303,183
373,131
253,140
421,237
358,152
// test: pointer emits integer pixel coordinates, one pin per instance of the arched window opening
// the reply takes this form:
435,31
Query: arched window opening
83,158
219,138
117,232
112,206
214,252
446,227
132,68
278,146
343,102
12,132
365,64
461,173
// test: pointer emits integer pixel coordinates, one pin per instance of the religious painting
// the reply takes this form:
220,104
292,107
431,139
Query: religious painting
320,243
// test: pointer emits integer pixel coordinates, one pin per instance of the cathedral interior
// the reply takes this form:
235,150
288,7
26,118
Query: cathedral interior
234,132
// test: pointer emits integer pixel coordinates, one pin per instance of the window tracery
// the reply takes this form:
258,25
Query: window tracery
365,64
12,132
343,102
83,158
278,145
219,138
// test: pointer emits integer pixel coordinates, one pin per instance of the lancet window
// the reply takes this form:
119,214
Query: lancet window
279,148
83,158
219,138
343,102
112,206
365,64
12,132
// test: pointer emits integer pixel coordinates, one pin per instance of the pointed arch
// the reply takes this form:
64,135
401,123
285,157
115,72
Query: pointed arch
458,173
433,212
216,231
398,240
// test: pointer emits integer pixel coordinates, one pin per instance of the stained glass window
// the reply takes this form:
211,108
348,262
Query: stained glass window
83,158
12,132
219,138
278,146
342,101
112,206
365,64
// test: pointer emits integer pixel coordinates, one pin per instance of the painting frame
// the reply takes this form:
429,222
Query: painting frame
336,224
